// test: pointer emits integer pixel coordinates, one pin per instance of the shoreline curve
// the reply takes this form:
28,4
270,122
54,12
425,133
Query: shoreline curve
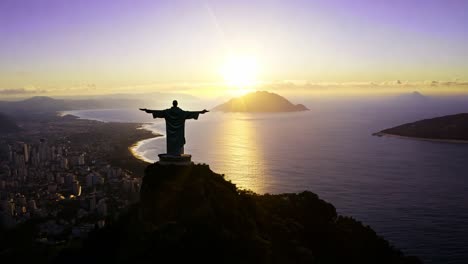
133,148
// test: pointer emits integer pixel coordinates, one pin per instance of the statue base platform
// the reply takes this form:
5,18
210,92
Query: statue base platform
167,159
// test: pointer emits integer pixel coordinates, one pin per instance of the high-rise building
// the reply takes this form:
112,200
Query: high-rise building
89,180
81,159
32,205
44,151
20,165
21,200
63,162
25,152
76,188
94,179
92,203
34,157
52,153
52,187
69,179
60,150
11,208
10,154
102,207
50,177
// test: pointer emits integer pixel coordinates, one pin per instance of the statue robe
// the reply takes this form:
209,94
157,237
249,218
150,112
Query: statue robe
175,127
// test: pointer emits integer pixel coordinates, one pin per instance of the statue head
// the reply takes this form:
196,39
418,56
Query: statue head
174,103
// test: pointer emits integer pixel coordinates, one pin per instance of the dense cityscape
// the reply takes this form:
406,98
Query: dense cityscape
65,187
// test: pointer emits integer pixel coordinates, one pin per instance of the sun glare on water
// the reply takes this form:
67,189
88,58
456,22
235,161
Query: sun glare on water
240,74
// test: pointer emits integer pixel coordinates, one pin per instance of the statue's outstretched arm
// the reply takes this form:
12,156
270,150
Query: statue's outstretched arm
194,114
149,111
198,112
156,113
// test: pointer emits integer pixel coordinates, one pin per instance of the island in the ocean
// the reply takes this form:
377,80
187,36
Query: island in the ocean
260,101
445,128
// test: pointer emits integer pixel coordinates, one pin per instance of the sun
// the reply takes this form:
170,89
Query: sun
240,73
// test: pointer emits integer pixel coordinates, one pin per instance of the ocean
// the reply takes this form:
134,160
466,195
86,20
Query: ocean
414,193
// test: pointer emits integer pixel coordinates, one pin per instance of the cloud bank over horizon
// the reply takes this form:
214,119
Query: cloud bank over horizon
287,87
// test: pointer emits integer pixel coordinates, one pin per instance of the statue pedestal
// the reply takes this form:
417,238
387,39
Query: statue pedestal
167,159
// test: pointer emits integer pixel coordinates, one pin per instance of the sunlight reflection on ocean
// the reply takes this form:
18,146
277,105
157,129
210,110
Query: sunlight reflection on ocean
414,193
230,148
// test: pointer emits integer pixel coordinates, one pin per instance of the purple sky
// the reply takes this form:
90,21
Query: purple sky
56,43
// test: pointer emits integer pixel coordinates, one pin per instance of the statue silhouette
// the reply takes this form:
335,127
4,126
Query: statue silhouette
175,126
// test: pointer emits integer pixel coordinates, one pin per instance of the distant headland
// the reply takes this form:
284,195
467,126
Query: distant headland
451,128
260,101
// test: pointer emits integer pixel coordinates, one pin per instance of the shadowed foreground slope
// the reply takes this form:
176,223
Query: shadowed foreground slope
192,214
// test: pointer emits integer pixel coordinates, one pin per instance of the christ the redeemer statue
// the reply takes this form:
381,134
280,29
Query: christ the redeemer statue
175,126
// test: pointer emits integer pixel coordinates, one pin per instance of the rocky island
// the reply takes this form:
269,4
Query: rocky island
260,101
451,128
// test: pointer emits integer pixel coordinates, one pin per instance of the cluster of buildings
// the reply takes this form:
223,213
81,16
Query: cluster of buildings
67,189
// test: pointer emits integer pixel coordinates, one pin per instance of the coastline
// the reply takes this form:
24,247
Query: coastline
129,159
134,147
453,141
144,127
123,156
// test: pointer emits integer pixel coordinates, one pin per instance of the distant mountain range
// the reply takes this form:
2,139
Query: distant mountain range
260,101
412,99
44,104
451,127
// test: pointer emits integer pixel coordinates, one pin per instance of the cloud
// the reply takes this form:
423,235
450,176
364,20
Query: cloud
447,83
292,86
21,91
85,87
370,87
14,91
